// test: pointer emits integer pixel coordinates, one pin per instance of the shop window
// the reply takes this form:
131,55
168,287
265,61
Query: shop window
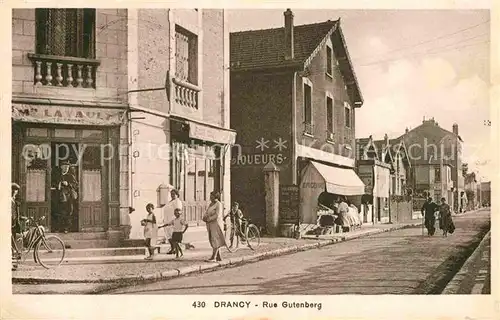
190,179
200,179
66,32
91,174
186,55
37,132
64,133
36,172
210,176
93,134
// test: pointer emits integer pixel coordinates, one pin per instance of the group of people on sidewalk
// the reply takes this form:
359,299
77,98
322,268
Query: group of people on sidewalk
175,227
429,210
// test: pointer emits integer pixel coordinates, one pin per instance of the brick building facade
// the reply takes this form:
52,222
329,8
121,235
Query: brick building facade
293,102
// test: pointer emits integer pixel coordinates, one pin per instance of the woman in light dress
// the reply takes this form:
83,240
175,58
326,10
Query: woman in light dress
213,219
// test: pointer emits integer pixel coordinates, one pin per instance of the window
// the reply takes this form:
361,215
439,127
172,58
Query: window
329,118
329,60
347,111
437,174
186,55
66,32
91,174
308,106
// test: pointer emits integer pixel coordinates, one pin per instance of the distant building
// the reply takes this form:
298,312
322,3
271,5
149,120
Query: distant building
436,158
484,192
470,187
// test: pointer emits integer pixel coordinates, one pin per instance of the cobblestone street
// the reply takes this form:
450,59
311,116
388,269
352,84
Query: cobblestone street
400,262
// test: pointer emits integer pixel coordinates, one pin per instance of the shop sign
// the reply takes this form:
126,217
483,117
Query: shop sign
289,203
66,115
206,133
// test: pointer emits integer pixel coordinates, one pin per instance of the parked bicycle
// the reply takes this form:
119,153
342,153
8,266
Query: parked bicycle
48,250
246,228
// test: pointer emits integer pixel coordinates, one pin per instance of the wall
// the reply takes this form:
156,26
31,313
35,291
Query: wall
213,66
260,109
321,84
111,51
153,44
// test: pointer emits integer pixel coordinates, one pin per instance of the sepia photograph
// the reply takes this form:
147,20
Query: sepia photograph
251,151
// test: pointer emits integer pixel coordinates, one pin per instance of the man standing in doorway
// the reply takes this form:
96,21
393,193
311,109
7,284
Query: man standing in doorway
68,195
428,210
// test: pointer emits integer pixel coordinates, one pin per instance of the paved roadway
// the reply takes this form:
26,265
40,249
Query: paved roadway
399,262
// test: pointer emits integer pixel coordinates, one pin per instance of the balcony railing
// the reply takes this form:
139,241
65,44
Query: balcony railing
186,94
61,71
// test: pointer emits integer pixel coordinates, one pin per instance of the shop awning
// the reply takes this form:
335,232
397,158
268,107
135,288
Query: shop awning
339,180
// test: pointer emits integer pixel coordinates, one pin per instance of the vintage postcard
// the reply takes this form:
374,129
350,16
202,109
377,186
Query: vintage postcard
244,160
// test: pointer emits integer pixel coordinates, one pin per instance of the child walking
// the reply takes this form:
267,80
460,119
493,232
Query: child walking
150,230
179,227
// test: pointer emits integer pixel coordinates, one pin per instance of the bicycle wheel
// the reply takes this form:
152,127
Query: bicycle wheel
50,251
252,236
228,233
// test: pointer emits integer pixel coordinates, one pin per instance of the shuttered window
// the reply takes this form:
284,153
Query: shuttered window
186,56
66,32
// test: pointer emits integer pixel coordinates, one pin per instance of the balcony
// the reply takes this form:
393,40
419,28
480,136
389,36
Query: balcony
185,94
59,71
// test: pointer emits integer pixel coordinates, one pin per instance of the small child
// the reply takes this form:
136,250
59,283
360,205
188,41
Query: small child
179,227
235,217
150,230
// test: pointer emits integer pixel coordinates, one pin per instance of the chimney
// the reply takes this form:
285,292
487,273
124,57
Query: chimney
406,130
455,129
386,138
288,34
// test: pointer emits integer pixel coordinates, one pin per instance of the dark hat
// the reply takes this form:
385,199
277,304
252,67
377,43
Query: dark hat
65,162
15,186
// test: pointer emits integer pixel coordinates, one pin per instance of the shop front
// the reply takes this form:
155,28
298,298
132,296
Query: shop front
318,179
66,160
199,164
375,201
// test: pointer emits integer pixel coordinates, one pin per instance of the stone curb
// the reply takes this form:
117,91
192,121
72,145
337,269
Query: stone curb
454,285
173,273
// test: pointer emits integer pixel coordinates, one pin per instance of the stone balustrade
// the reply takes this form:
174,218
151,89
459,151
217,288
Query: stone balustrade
62,71
185,94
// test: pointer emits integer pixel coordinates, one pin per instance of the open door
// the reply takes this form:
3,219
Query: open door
35,169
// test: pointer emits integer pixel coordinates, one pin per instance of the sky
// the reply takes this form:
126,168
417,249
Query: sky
410,64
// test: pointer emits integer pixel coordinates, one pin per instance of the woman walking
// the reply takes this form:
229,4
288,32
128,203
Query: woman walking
168,215
445,221
213,219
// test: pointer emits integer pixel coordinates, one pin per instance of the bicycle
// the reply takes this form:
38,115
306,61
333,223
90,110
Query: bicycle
48,250
250,230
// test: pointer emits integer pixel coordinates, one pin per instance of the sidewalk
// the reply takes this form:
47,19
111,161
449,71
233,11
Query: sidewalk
475,275
108,269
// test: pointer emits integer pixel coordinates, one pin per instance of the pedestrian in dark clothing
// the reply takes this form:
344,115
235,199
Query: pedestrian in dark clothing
445,220
428,210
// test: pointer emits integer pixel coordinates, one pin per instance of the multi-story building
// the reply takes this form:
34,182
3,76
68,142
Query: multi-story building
471,190
294,95
114,91
383,161
436,158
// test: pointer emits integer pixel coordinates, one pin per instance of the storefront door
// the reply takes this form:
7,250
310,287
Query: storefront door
49,158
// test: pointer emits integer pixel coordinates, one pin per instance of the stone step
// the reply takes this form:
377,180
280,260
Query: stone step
82,235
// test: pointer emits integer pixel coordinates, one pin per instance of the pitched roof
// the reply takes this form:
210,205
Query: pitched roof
264,49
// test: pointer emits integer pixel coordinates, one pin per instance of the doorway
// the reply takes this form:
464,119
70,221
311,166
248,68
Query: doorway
64,186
